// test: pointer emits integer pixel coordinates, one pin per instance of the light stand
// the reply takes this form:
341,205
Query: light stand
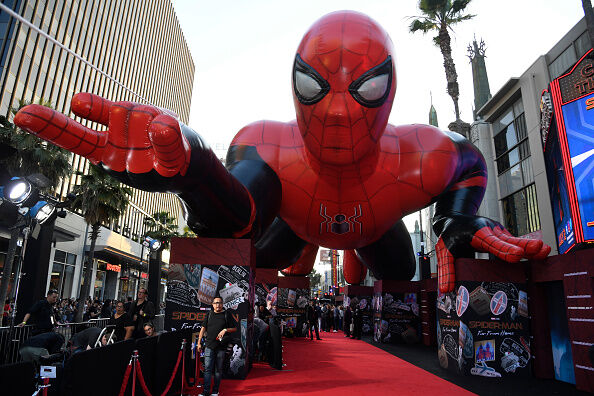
25,223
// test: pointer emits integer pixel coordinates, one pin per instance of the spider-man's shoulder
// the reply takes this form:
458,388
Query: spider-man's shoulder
268,133
419,138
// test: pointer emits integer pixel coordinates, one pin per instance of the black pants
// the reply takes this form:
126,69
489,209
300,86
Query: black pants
313,323
347,329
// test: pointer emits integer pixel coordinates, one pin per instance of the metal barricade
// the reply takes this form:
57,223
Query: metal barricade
11,343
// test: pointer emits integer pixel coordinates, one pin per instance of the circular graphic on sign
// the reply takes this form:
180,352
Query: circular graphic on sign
363,303
498,303
462,300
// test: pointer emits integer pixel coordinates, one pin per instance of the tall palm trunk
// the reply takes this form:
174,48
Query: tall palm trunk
8,264
86,287
450,67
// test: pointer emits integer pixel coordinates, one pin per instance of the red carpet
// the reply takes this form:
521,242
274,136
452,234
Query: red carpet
339,366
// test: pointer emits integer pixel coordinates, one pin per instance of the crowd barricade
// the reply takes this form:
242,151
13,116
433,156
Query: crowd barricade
17,379
97,371
110,370
9,346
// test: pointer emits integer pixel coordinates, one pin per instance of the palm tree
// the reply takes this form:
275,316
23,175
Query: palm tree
101,199
32,155
162,227
440,16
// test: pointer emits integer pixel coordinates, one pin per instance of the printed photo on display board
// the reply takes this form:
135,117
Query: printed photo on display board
483,329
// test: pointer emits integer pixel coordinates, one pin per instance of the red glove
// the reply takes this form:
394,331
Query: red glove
139,138
466,234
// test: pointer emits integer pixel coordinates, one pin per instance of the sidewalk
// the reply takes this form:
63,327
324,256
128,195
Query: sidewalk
426,358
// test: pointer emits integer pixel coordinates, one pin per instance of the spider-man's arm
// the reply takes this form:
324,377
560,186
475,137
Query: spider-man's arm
460,232
148,149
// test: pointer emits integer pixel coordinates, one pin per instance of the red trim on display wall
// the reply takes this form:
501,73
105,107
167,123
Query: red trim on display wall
563,144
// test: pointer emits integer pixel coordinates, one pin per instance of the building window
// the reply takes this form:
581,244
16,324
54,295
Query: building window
570,56
521,211
63,273
514,168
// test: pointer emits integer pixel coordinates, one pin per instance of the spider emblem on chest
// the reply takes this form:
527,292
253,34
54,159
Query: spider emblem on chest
340,223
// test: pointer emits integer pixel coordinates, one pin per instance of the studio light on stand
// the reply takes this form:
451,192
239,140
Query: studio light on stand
33,212
152,244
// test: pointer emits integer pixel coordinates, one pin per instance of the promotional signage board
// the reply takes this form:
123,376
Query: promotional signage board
396,317
361,297
201,269
292,300
483,329
569,151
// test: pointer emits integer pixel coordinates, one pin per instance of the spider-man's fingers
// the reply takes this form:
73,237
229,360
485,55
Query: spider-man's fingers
62,131
91,107
485,240
172,150
538,251
542,253
530,246
446,275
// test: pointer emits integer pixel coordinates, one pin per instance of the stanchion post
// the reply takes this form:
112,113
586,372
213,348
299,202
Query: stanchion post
197,378
45,385
135,359
183,358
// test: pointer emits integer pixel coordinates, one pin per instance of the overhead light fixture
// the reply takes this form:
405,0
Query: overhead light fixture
20,192
42,211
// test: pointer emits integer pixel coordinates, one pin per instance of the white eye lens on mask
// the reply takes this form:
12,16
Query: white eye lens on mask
306,86
374,88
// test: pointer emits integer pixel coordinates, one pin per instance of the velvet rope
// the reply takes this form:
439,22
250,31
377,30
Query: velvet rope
145,388
179,356
126,378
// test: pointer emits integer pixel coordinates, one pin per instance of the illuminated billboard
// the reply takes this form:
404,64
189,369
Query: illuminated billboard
568,138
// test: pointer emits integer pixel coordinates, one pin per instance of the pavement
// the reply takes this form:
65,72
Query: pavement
426,358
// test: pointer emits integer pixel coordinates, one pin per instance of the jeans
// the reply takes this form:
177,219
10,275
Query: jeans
213,358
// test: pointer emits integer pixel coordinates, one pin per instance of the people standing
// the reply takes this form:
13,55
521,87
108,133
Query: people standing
216,325
42,313
312,319
348,318
124,325
142,311
358,323
336,318
106,309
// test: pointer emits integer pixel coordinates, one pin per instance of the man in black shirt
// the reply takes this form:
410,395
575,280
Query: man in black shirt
216,325
142,311
43,313
124,326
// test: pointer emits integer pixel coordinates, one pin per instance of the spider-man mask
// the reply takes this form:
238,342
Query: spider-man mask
344,81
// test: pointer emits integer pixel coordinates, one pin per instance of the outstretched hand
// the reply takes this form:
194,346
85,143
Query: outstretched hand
467,233
139,139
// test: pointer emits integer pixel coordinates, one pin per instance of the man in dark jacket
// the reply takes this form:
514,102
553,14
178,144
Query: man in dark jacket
358,323
312,319
348,318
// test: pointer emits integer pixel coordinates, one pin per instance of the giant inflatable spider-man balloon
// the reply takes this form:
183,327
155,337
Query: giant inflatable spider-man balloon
339,176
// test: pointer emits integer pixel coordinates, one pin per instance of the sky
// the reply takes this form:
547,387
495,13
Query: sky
243,53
